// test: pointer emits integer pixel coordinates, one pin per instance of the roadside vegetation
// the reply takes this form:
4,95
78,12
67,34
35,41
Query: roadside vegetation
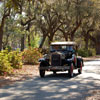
27,27
11,60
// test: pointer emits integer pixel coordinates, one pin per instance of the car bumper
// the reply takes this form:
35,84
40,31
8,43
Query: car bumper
55,68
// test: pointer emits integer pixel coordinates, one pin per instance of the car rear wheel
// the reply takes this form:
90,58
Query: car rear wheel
80,69
42,73
70,71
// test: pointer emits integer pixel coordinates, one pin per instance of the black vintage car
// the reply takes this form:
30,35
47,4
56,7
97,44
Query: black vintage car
62,57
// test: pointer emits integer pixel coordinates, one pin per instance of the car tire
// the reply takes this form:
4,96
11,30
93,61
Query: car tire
80,69
42,73
54,72
70,71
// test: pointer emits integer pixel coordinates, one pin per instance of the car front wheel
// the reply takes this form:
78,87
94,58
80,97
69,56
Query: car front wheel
42,73
54,72
70,71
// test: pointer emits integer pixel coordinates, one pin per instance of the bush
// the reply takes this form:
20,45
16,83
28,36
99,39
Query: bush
35,41
10,60
45,50
15,58
83,52
31,55
5,66
86,53
92,52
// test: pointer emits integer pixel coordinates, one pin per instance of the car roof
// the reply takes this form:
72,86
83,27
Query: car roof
64,43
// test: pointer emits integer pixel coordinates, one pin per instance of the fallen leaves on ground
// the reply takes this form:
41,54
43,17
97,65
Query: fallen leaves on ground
28,71
95,95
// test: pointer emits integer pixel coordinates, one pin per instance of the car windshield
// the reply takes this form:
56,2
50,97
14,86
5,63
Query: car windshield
61,48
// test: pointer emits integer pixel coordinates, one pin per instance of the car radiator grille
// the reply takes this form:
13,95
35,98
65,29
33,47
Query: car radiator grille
55,60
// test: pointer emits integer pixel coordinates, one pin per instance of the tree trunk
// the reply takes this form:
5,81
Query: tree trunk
86,39
86,44
65,36
1,37
50,38
72,37
97,48
29,41
74,30
42,42
4,45
22,42
1,32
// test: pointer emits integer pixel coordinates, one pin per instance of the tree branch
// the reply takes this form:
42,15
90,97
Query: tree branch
27,22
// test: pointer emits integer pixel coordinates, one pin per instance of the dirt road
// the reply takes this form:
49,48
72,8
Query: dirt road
56,87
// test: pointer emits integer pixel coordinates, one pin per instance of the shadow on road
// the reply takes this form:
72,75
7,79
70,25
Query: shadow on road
60,76
52,87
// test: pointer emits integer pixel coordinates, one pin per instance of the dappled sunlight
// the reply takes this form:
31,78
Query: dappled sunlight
63,90
95,62
53,35
74,86
55,87
92,75
49,88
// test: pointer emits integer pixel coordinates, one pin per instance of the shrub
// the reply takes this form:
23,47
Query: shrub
86,53
83,52
5,66
35,41
9,48
10,60
31,55
91,52
15,58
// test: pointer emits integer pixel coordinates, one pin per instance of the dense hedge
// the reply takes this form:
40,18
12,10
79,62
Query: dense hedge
86,53
16,59
31,55
5,65
10,60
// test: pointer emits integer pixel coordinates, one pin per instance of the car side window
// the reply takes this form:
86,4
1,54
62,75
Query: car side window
63,47
70,48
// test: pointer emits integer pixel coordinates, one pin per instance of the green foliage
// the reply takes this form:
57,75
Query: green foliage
9,48
15,58
91,52
31,55
83,52
45,18
35,41
86,53
5,65
10,60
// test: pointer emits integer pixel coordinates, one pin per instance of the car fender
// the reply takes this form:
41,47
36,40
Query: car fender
44,63
41,60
